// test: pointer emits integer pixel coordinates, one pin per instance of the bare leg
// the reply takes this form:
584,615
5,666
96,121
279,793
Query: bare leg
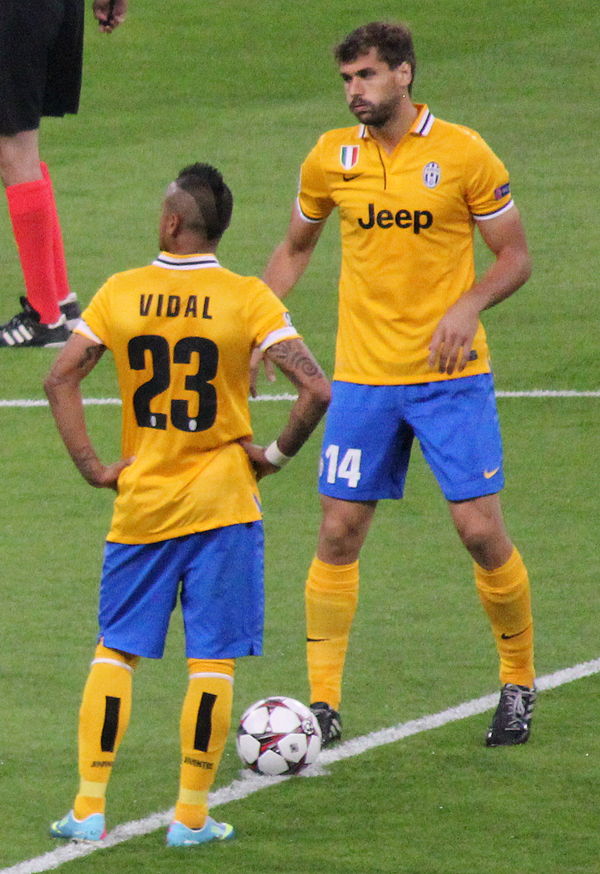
20,158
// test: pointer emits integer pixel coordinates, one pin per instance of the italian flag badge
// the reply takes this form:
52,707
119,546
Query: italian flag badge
349,156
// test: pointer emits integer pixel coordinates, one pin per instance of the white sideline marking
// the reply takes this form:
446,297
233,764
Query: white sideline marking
251,783
26,403
548,393
535,393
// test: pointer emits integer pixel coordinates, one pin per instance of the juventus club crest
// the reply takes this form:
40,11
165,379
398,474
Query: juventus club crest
431,174
349,156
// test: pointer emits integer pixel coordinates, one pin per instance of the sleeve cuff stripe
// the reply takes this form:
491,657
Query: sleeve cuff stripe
277,337
82,328
307,218
490,215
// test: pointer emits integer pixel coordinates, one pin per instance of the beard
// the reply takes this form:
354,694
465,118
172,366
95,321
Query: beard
376,114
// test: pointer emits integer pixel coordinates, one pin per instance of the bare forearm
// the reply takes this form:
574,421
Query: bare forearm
67,409
61,385
295,360
508,273
285,268
305,415
314,392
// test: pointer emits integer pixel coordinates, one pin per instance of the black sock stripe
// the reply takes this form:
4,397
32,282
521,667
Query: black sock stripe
111,724
204,722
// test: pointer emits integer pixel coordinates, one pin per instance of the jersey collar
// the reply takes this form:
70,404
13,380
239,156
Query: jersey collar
185,262
423,122
420,127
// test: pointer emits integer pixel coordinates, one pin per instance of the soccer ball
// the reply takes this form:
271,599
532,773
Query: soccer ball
278,736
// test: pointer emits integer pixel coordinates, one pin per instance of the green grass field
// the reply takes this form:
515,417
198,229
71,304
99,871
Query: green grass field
249,87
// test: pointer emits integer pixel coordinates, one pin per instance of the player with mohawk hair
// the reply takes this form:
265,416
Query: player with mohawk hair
187,516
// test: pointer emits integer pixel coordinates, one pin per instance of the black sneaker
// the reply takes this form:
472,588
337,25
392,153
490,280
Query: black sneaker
512,720
330,722
71,310
25,329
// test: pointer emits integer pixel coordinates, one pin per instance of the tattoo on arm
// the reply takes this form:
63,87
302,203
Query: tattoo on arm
298,364
292,357
91,356
65,373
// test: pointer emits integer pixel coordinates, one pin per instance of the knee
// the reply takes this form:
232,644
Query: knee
340,540
487,544
480,526
475,538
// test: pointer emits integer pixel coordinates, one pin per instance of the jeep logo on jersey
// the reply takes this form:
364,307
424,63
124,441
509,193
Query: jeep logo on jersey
431,174
418,220
349,156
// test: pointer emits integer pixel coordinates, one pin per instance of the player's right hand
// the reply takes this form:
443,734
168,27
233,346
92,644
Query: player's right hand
453,338
109,13
106,476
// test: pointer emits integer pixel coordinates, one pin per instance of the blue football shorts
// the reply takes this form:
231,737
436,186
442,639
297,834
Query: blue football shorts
370,430
218,576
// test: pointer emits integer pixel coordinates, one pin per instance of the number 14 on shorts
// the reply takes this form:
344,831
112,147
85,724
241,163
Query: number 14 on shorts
347,468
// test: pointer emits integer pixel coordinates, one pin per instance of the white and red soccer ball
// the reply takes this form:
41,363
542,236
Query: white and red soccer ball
278,736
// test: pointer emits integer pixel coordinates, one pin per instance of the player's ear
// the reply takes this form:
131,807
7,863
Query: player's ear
173,223
404,73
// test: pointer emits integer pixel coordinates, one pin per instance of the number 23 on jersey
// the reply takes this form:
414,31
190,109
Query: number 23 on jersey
199,382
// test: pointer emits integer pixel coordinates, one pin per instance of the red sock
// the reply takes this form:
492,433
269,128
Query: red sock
60,263
30,205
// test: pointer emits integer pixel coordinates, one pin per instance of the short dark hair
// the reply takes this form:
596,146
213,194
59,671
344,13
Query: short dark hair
213,198
394,44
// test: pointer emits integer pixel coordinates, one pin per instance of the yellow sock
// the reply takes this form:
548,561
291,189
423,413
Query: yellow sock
506,598
205,721
331,597
103,720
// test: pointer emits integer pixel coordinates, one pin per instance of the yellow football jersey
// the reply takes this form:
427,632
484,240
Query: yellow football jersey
406,221
181,331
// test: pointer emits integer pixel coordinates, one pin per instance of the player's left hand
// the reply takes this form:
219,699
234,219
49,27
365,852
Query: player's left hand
109,13
255,359
256,454
452,341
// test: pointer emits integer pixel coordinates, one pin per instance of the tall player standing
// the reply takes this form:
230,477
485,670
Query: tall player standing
411,353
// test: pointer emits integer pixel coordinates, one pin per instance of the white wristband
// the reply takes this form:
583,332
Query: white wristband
275,456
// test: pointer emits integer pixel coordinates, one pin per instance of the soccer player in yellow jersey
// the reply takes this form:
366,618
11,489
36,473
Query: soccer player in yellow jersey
187,516
411,354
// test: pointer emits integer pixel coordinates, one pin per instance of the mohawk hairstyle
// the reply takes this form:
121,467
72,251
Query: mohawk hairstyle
213,198
394,44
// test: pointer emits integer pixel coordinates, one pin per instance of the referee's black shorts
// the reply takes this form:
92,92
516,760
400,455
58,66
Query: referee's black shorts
41,53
